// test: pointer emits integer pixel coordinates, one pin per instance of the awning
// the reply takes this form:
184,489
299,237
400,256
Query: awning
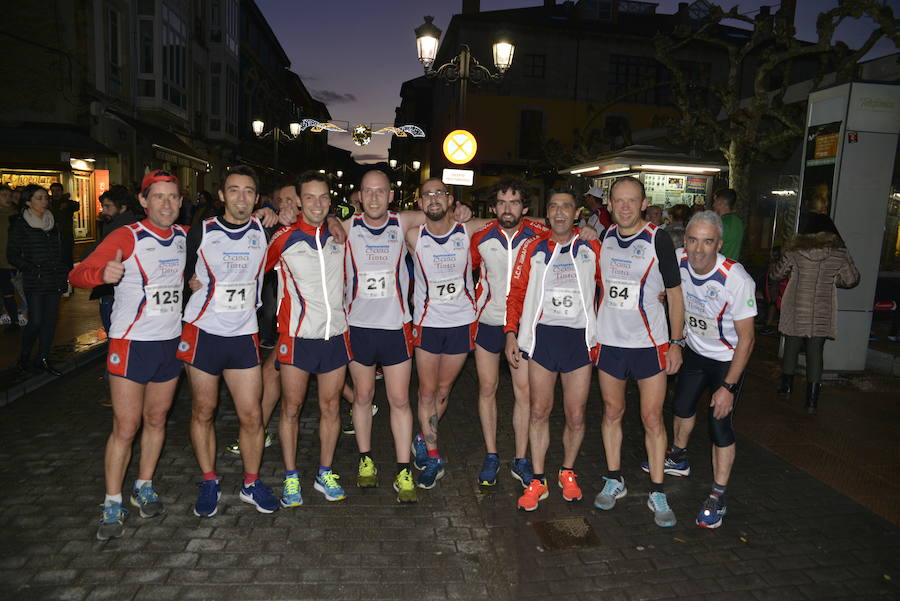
166,145
645,158
53,136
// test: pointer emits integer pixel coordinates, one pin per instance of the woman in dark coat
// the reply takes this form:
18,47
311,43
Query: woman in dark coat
36,249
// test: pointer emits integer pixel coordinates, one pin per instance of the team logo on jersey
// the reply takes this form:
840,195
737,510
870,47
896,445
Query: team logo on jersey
638,252
712,293
115,359
179,245
751,302
184,346
392,236
457,244
254,241
283,349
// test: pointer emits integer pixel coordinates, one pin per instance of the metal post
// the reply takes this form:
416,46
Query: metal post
276,135
464,58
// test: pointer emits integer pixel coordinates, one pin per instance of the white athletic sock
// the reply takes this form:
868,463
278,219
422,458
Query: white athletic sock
113,499
138,484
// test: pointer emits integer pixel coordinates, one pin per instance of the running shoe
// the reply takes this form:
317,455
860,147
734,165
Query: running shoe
379,374
521,471
712,513
327,484
112,522
570,489
535,493
434,471
420,452
348,427
673,466
5,320
662,513
367,475
235,447
260,496
147,502
406,490
208,500
23,320
290,493
488,474
612,490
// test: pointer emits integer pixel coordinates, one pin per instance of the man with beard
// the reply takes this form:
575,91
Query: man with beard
444,316
494,250
551,327
145,262
220,336
637,264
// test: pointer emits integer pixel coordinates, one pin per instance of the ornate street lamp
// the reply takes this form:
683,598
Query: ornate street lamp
259,128
463,67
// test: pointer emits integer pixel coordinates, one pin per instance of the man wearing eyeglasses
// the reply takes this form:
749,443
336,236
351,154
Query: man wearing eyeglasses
444,316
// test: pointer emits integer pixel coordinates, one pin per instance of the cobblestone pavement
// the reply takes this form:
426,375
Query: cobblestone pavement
787,535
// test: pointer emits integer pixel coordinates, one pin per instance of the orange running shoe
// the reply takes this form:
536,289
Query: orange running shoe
536,492
570,489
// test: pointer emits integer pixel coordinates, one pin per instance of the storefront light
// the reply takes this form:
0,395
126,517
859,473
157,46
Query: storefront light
682,168
584,169
82,164
784,193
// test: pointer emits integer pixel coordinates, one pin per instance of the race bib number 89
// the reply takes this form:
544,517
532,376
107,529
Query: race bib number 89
621,294
700,325
163,298
445,291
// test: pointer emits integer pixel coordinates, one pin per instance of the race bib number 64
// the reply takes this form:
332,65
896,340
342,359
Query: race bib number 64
621,294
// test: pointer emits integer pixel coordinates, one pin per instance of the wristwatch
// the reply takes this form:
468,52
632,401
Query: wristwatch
732,388
680,342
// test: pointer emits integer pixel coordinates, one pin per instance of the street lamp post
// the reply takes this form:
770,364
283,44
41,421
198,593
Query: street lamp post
463,67
404,169
259,128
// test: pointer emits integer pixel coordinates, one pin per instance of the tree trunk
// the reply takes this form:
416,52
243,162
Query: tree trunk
739,164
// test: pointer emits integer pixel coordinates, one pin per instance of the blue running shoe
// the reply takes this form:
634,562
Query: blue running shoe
434,471
327,484
420,452
712,514
260,496
672,467
290,494
112,522
662,513
147,501
521,471
612,489
208,501
488,474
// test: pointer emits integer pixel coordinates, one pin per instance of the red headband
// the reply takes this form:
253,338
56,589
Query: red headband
157,176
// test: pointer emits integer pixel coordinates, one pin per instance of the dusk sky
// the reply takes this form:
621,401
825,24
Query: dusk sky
354,54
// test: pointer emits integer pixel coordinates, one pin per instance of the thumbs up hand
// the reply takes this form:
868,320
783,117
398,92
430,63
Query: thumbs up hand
114,269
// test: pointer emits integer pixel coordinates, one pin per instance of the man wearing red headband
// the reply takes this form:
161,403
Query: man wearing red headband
145,262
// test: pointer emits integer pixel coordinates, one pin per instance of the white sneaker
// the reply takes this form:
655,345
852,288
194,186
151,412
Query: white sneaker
5,320
23,321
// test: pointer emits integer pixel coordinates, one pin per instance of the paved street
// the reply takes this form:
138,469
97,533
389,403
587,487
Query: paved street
787,535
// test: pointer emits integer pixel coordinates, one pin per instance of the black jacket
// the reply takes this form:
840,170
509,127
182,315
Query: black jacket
38,255
104,228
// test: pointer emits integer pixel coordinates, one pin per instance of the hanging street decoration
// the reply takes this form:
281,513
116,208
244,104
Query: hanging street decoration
362,132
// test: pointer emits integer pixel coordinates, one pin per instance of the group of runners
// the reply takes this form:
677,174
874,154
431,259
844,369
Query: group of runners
558,301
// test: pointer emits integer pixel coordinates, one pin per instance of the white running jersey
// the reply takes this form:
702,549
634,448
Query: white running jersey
712,303
377,287
229,266
630,314
494,253
562,302
444,293
147,303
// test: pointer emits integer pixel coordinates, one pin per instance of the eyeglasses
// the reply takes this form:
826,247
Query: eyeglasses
435,194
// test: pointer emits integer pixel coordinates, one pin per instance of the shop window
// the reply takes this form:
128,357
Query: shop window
146,7
145,41
627,73
174,57
231,101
